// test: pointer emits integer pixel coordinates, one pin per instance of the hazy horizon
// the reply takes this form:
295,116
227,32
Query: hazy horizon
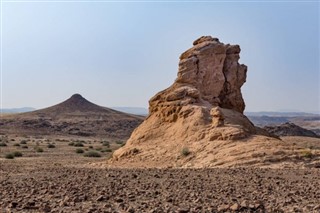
121,54
134,109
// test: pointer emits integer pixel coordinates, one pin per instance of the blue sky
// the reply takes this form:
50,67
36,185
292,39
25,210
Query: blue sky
121,54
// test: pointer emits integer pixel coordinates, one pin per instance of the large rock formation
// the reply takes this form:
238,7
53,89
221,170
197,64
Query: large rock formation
209,75
207,92
204,105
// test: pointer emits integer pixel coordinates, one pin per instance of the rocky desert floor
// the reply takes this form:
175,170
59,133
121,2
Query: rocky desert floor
59,179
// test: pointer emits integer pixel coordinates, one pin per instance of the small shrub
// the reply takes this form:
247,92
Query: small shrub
99,148
306,154
16,144
90,147
24,147
79,151
106,150
78,144
9,156
3,144
119,142
106,143
12,139
92,154
17,154
185,151
71,144
61,140
39,149
50,146
23,142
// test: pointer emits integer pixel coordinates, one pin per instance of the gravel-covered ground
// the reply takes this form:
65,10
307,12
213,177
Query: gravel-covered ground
58,188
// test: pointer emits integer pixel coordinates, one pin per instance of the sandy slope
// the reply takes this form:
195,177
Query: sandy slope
255,151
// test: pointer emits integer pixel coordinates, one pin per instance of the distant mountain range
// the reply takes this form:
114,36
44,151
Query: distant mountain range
307,121
17,110
281,114
144,111
132,110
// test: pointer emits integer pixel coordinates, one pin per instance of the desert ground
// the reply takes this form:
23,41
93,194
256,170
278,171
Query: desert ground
195,151
58,179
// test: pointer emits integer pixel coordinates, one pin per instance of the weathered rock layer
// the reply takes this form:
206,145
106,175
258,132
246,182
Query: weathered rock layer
209,74
204,104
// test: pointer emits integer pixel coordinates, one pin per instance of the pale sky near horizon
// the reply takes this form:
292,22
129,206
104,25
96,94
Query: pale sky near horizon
121,54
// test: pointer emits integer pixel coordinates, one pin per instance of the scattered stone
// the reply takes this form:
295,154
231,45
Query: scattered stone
235,207
183,210
100,198
119,200
223,207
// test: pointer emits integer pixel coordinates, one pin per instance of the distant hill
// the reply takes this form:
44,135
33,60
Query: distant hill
307,121
75,116
17,110
280,114
132,110
290,129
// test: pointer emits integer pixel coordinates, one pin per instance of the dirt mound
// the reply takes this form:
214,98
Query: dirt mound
75,116
199,120
290,129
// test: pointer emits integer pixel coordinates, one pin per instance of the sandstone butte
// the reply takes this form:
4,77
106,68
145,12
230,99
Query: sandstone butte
198,121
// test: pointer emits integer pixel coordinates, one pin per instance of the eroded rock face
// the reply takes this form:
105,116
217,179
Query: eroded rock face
203,104
209,74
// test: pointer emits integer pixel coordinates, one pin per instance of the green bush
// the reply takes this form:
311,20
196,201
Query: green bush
3,144
78,144
90,147
106,143
106,150
50,146
185,151
119,142
23,142
307,154
17,154
16,144
79,151
71,144
92,154
24,147
38,149
9,156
